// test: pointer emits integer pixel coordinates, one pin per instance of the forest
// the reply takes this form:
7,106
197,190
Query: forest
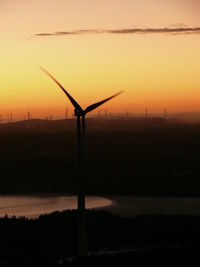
50,240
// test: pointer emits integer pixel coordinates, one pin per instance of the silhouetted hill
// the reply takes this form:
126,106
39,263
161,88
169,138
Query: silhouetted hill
93,124
119,123
37,126
127,156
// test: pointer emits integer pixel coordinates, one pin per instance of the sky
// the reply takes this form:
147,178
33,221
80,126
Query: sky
95,48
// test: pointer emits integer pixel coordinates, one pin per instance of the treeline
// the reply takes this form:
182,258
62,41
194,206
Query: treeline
52,238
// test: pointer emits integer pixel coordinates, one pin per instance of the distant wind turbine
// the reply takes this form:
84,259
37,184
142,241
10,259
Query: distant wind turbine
165,113
80,114
146,113
99,111
66,113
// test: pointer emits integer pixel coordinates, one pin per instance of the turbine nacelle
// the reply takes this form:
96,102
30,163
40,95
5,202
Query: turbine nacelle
79,112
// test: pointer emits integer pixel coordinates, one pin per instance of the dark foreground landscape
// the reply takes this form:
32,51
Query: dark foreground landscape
134,157
51,240
151,157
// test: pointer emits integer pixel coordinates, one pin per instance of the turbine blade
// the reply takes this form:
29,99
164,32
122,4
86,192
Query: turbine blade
72,100
96,105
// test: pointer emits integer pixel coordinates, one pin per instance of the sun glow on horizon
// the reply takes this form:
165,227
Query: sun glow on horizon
158,70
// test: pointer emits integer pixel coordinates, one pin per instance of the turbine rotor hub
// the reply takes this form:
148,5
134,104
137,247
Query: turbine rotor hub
78,112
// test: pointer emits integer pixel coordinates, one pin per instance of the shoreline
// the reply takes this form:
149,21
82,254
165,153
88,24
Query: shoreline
32,206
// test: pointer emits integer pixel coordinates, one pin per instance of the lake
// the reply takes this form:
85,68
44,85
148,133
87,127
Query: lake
33,206
133,206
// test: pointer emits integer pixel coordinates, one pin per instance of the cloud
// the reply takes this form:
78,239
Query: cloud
168,30
43,34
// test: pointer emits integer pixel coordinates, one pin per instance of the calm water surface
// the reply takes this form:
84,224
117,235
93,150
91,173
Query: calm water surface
133,206
33,206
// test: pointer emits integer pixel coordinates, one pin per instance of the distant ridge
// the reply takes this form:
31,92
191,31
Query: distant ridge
96,124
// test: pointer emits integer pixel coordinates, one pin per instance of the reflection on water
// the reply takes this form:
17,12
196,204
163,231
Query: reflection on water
34,206
133,206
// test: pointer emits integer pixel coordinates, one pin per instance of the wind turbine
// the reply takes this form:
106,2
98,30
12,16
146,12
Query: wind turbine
165,113
80,114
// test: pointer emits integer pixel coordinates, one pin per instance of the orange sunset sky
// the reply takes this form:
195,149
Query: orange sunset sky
148,48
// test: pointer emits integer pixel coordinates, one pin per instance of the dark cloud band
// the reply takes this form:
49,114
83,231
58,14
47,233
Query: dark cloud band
179,30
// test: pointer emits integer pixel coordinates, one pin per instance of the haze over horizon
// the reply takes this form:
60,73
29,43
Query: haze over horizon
94,48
